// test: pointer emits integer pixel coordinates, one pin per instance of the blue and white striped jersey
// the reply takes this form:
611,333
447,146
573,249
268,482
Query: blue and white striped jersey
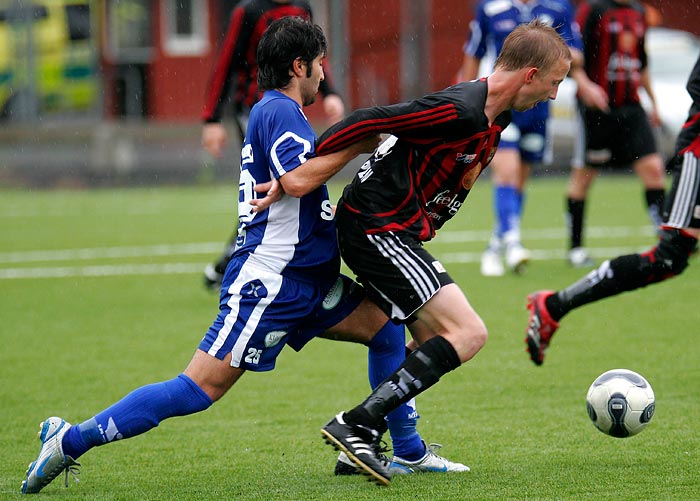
495,19
295,235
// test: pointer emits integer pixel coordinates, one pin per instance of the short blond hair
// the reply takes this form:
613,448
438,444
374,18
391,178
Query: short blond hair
534,44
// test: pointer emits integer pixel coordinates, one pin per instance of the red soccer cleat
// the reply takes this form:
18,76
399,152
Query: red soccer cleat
540,327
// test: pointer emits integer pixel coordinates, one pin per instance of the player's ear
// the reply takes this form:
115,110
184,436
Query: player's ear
530,74
299,67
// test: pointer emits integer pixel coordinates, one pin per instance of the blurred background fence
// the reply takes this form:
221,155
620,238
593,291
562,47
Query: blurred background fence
96,92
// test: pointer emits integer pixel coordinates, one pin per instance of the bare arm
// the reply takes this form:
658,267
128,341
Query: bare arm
590,93
646,84
317,170
310,175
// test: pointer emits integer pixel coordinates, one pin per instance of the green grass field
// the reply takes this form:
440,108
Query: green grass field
101,293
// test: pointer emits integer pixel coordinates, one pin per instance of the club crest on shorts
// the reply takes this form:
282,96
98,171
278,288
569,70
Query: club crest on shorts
273,338
334,295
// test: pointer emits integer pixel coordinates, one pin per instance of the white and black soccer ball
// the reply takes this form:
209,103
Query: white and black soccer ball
620,403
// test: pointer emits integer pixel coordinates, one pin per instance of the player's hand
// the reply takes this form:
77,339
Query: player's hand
654,117
273,192
334,108
594,96
214,138
366,145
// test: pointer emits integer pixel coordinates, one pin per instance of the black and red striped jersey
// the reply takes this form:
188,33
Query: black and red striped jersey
613,44
419,177
689,136
236,66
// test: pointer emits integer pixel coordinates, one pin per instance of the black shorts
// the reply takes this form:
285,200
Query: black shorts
618,138
398,274
682,209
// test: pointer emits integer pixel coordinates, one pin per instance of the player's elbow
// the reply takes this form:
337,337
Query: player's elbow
295,186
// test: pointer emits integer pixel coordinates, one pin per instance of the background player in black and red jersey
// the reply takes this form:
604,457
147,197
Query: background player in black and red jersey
235,76
677,241
411,186
613,33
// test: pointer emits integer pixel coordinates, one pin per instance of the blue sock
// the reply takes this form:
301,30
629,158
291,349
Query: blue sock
520,202
507,202
136,413
386,352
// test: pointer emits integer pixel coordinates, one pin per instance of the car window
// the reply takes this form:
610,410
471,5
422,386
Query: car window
78,21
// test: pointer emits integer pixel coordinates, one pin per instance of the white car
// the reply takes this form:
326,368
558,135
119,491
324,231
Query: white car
672,55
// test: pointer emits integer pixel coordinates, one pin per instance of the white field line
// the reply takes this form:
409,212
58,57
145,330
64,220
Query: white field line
101,270
212,248
111,252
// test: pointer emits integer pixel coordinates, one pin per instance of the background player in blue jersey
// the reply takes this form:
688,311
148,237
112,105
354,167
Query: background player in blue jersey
525,142
678,239
282,285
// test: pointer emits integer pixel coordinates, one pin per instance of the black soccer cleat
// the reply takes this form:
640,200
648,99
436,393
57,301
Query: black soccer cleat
361,445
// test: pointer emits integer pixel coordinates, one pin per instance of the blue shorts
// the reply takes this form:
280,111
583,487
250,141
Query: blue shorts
527,133
261,311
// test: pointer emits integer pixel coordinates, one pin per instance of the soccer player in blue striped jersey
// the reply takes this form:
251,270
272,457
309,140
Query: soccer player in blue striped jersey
282,286
525,142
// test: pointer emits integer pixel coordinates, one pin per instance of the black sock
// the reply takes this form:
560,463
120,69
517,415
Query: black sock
574,221
421,370
624,273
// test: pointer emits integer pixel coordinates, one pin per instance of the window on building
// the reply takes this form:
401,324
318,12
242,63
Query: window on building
129,31
185,30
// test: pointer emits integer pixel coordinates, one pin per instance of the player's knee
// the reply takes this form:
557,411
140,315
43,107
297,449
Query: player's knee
468,340
673,251
477,335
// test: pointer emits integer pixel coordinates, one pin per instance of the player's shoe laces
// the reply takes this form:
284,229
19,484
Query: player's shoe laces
51,461
579,258
540,327
517,257
431,462
361,445
492,264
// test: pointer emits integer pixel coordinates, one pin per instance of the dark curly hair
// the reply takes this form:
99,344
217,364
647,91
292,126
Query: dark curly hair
285,40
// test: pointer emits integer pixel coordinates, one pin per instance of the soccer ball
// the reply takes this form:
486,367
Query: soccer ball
620,403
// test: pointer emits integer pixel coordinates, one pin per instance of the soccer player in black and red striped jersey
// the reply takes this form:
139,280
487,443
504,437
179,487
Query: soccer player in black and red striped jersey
677,241
235,76
411,186
613,33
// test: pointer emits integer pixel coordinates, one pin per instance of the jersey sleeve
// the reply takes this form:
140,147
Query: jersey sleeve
476,44
290,139
228,60
411,118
